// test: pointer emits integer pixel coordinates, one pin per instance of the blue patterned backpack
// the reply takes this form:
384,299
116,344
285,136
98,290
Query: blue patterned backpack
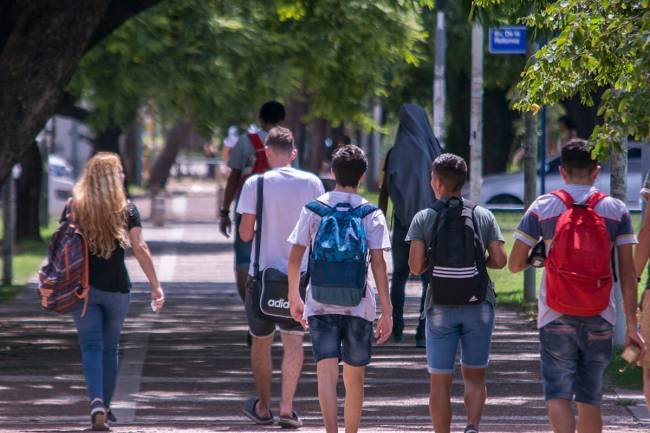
339,257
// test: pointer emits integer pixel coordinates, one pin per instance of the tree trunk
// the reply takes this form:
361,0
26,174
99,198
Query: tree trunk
296,109
133,153
108,140
317,134
28,194
41,44
530,179
374,150
176,138
618,188
618,179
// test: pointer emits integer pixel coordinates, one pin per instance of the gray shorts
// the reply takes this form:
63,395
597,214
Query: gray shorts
265,328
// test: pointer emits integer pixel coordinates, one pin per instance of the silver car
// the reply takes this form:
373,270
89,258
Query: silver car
507,190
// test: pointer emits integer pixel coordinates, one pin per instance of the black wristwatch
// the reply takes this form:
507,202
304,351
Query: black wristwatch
225,213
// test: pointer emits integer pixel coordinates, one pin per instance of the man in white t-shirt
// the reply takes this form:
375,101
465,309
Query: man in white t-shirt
245,159
286,191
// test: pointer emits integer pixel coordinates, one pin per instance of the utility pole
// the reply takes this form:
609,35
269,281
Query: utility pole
476,114
439,91
9,229
530,181
618,188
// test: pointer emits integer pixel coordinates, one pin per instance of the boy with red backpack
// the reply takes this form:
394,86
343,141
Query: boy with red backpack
580,227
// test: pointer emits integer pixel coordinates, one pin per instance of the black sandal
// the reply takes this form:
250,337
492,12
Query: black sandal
251,413
290,422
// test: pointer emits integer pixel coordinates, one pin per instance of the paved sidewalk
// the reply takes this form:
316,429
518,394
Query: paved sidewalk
188,370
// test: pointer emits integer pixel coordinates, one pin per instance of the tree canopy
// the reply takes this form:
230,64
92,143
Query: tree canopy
214,61
41,44
592,46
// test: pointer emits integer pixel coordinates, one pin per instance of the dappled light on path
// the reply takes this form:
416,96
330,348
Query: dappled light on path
195,368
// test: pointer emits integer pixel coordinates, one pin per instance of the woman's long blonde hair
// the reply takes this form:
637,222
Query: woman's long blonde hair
99,204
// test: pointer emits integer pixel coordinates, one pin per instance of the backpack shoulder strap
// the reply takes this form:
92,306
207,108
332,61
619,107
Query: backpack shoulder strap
364,210
469,205
565,197
258,223
319,208
438,205
594,199
256,141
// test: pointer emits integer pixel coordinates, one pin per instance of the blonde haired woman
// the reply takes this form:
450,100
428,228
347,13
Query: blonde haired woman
110,224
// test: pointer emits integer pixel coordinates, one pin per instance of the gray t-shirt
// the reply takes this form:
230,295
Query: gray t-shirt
242,155
422,228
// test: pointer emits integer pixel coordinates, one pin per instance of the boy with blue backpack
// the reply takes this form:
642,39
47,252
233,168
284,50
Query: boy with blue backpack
342,231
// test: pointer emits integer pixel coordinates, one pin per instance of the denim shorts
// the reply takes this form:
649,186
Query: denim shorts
243,249
575,353
346,338
447,325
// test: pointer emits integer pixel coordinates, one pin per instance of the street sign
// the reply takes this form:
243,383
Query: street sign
508,40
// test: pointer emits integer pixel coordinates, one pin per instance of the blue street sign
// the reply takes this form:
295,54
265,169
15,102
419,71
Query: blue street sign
508,40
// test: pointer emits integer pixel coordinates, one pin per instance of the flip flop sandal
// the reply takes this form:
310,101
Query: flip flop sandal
290,422
251,413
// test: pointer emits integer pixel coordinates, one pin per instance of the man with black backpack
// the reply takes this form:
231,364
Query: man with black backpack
269,205
450,242
581,226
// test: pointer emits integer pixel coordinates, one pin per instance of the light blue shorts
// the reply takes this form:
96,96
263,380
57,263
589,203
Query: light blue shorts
447,325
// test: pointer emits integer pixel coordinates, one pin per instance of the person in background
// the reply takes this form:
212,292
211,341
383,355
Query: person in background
246,158
210,152
229,143
110,224
406,181
568,131
326,175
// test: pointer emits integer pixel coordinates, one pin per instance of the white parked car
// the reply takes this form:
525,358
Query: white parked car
507,190
60,182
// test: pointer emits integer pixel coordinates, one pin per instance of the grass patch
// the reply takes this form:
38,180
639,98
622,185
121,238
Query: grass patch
137,190
26,262
631,378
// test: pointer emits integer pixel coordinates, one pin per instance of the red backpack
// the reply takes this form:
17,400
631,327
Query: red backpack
261,164
578,269
63,281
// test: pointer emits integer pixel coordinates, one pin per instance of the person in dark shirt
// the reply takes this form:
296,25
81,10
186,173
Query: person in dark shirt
110,224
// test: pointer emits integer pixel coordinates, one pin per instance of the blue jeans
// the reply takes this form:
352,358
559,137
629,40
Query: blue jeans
575,353
243,249
99,337
400,252
447,325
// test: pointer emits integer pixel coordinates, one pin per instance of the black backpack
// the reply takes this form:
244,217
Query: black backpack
458,273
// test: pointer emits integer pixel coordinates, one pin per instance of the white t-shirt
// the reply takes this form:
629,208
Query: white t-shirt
286,191
378,238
